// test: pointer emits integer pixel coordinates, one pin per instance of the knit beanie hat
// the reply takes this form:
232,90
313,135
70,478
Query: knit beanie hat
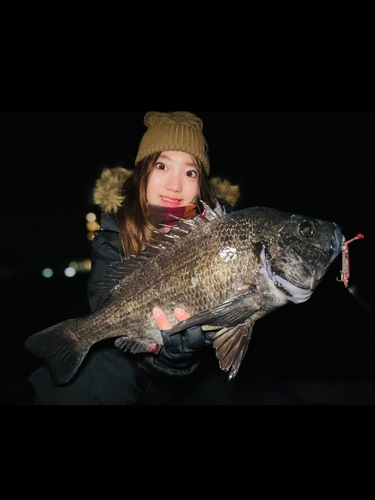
178,131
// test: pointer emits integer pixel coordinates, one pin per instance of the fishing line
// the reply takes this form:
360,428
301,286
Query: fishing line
353,290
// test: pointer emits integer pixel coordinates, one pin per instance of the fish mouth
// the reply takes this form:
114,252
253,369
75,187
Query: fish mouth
281,287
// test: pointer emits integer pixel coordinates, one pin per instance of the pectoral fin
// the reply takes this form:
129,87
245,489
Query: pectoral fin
230,313
231,345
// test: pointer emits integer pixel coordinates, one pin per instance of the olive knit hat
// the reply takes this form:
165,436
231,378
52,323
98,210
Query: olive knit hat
178,131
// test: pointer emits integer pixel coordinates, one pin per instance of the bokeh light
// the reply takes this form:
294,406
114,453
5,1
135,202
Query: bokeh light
70,272
90,217
47,272
87,265
92,226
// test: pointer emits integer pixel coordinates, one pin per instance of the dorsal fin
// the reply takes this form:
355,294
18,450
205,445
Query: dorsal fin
210,214
123,269
117,272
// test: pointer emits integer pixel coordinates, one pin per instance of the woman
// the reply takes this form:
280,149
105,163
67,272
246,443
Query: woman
170,178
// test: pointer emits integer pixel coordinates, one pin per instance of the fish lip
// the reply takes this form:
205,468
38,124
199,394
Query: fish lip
337,241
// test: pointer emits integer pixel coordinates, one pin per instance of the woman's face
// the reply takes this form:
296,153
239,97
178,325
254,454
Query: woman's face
174,180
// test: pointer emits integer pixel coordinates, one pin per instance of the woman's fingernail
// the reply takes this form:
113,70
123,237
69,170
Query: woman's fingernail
156,312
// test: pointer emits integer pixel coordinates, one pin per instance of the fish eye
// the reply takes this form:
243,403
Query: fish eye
306,229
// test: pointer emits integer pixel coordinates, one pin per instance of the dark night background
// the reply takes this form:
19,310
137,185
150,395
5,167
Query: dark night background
314,163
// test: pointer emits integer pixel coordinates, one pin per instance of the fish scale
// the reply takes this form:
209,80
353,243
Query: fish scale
226,273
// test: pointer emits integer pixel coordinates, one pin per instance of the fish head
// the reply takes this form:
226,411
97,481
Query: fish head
296,251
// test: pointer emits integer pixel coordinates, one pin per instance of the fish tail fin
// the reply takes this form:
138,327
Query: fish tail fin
61,348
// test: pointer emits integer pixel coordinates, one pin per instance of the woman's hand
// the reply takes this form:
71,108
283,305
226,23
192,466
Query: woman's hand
181,352
162,320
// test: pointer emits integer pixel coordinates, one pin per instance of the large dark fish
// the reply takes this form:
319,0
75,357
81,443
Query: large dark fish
226,273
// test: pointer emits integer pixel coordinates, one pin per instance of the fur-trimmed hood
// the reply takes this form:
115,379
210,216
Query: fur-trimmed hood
107,192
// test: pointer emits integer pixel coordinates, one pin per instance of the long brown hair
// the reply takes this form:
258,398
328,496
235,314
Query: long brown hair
135,227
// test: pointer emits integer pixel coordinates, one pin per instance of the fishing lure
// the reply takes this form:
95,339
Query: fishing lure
345,272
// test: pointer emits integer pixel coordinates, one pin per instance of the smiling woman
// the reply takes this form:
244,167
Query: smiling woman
172,168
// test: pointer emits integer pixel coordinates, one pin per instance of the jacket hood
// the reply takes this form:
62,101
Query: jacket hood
107,191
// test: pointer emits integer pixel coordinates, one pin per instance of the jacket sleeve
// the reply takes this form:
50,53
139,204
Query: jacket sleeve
105,250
